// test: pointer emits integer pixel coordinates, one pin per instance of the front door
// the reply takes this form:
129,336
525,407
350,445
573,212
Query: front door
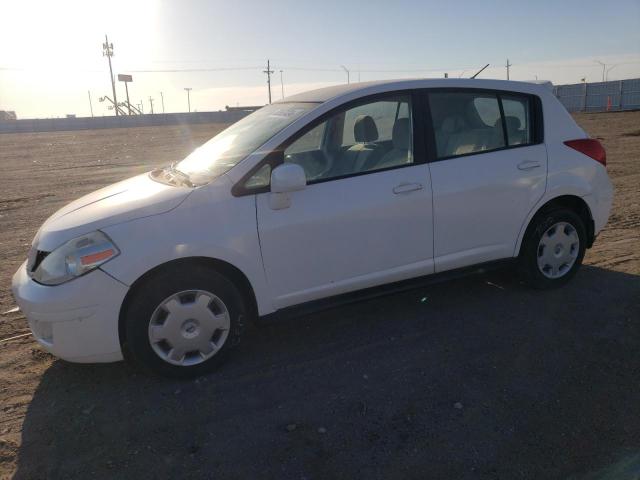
365,216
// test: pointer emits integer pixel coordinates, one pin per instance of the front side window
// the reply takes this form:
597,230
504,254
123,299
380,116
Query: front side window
365,138
465,122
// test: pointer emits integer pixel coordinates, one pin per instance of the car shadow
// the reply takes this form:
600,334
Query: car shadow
474,378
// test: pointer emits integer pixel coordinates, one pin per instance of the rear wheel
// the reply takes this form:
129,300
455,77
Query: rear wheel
184,322
553,248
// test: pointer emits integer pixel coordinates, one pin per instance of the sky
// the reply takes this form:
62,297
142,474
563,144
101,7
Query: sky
51,51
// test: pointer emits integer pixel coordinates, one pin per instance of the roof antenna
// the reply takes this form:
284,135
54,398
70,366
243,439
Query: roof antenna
480,71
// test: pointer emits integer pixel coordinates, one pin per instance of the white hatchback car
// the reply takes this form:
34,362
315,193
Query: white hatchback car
322,194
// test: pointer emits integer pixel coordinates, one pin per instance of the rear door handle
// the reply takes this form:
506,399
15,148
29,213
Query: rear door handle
528,165
407,187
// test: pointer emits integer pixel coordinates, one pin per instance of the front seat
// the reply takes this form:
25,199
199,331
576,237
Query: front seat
365,133
401,151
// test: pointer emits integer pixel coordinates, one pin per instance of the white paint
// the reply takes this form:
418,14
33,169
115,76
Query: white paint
328,238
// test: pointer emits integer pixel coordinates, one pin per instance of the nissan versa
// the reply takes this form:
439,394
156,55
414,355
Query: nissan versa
322,194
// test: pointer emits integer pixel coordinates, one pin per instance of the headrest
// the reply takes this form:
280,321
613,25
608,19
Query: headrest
364,129
452,124
513,123
401,135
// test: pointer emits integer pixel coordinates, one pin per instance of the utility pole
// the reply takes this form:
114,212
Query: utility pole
107,51
162,100
281,84
126,79
188,90
508,66
90,104
268,71
126,89
151,103
347,72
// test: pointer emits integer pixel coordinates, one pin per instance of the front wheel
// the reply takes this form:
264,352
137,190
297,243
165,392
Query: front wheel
553,249
183,322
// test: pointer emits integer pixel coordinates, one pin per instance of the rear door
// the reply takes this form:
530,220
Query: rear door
489,169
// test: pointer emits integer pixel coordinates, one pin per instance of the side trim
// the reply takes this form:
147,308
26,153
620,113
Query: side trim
389,289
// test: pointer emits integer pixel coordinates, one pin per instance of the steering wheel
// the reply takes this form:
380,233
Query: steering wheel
313,168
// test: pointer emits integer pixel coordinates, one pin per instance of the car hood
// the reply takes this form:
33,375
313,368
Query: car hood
123,201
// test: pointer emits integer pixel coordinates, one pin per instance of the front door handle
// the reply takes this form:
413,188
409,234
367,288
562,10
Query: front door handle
407,187
528,165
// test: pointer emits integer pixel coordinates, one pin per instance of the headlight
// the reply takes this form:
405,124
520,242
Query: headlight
75,258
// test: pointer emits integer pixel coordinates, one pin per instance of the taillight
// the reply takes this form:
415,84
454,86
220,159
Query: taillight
590,147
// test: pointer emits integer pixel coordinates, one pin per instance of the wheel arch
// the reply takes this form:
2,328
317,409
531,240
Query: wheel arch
572,202
225,268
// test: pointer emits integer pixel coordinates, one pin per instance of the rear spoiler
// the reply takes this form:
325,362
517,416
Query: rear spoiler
543,83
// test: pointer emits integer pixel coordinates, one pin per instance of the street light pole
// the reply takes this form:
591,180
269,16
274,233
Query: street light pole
281,84
347,71
188,90
604,66
90,104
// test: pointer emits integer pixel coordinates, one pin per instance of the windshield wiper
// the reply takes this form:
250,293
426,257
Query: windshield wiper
178,174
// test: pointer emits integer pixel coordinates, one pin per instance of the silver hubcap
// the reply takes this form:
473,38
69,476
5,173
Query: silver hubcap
558,250
189,327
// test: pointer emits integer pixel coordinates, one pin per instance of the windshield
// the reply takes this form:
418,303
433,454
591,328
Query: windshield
230,146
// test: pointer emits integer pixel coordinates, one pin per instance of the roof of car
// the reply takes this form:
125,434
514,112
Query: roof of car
328,93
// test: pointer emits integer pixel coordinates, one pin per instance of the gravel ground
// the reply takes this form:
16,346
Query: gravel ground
473,378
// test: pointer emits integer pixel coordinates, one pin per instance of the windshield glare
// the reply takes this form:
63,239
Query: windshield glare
230,146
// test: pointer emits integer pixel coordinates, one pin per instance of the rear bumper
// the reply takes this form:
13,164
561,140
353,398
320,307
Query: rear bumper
76,321
600,202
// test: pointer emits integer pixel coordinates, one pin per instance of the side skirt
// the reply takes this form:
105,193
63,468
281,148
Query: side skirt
315,306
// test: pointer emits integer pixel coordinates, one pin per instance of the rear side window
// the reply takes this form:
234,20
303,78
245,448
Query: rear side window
467,122
517,116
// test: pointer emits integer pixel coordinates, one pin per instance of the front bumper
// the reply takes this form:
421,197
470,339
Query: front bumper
76,321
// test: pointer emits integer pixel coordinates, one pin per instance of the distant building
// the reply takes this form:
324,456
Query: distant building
71,115
7,116
242,109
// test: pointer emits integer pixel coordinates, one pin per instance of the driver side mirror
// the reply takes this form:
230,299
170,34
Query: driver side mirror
288,177
285,178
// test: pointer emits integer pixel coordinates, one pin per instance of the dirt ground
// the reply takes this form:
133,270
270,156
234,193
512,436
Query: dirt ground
474,378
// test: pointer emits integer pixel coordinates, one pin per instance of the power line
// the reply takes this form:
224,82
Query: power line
285,67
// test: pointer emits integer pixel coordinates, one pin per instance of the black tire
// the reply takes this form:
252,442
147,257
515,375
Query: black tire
528,259
161,285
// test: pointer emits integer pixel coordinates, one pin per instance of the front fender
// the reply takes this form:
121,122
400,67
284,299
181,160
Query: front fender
208,224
